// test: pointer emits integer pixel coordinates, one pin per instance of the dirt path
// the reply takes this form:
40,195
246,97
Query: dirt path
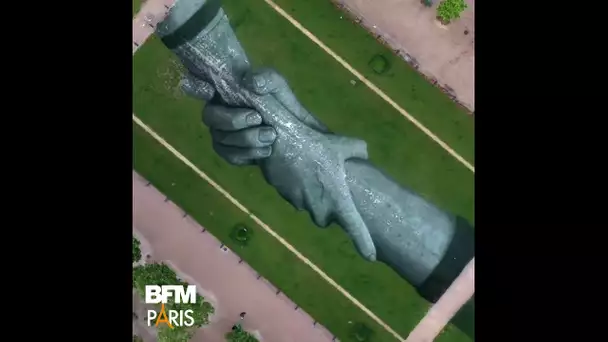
443,52
447,306
233,287
150,14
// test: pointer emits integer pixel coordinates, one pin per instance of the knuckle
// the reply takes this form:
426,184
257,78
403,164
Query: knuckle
275,77
262,152
234,160
241,119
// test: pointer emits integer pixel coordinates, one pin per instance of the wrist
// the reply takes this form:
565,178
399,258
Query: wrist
460,251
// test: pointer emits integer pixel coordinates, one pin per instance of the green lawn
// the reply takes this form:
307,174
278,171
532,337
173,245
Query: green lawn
136,6
402,83
394,144
264,253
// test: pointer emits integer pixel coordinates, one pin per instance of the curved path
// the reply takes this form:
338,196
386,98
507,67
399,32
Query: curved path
233,287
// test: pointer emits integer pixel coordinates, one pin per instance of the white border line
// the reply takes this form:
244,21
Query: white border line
264,226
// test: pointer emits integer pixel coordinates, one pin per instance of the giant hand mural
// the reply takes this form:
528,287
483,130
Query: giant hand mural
255,119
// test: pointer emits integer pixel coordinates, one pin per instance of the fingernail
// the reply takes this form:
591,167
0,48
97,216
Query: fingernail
253,119
267,135
371,257
259,81
264,152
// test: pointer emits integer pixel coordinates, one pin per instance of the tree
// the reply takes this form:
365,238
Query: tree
153,274
161,274
136,250
241,234
379,64
449,10
239,335
177,334
361,332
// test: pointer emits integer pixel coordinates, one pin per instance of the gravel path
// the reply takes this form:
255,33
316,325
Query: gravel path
150,14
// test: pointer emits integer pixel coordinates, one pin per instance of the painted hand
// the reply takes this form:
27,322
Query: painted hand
238,134
305,162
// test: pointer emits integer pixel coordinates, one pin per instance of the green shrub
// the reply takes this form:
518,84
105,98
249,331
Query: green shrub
361,333
136,250
161,274
239,335
241,234
449,10
379,64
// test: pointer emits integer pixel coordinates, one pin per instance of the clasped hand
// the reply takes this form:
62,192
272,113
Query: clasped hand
296,152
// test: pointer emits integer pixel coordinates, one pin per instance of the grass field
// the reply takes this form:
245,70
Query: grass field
394,143
136,6
402,83
266,255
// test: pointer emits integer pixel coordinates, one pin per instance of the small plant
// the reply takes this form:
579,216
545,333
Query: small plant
427,3
136,250
239,335
379,64
241,234
361,332
449,10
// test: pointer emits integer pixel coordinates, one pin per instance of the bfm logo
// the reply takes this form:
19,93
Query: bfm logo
160,294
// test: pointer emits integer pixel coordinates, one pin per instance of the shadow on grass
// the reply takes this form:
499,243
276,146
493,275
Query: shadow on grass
465,318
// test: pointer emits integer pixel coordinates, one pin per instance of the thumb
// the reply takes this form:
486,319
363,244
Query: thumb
197,88
348,147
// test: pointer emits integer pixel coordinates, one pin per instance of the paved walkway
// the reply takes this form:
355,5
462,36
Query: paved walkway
440,314
144,23
442,52
232,287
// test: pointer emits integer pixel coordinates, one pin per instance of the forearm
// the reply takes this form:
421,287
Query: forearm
425,245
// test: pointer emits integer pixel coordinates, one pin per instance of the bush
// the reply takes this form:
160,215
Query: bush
361,332
136,250
161,274
449,10
379,64
241,235
239,335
